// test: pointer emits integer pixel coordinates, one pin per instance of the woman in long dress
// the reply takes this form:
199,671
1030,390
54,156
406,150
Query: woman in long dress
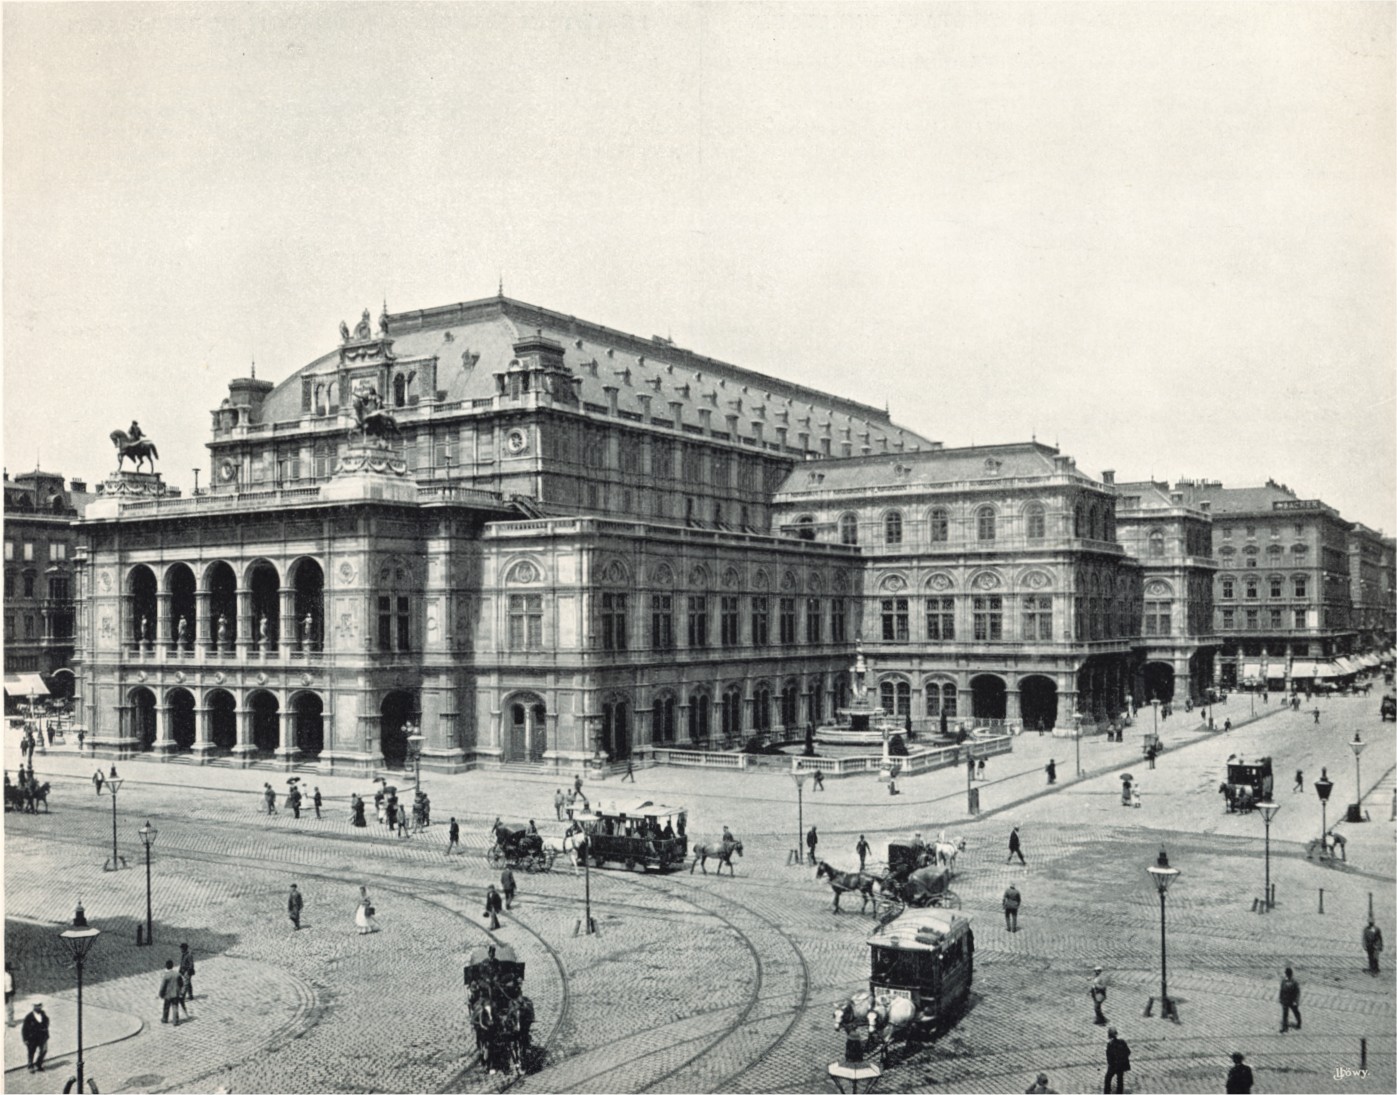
363,919
358,807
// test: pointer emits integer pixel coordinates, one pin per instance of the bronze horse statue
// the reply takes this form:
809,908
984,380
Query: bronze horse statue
135,451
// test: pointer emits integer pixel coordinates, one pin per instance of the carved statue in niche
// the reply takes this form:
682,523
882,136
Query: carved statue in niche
145,629
307,630
223,636
182,630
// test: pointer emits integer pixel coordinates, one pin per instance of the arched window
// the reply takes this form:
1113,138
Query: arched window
848,529
941,700
1251,589
1034,523
761,708
1277,586
732,711
1156,543
895,697
1229,588
892,528
1079,520
662,719
805,527
940,523
984,523
790,704
699,715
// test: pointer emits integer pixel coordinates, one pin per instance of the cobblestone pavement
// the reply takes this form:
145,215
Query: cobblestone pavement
698,983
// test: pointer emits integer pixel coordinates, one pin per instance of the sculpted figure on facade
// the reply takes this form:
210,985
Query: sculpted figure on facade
223,636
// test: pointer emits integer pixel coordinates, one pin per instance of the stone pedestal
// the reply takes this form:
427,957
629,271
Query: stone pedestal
370,470
125,486
244,755
287,757
203,752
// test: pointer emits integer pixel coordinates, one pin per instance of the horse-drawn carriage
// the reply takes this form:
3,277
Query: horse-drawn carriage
501,1015
1247,783
914,879
517,847
26,796
640,834
921,967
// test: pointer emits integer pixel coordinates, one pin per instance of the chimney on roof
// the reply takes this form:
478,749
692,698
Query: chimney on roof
1109,477
1206,505
676,413
78,486
644,406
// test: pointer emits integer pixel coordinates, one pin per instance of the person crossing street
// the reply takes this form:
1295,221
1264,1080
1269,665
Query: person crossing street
862,848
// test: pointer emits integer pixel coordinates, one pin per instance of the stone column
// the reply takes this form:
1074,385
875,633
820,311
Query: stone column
287,636
164,746
203,733
288,749
244,750
164,631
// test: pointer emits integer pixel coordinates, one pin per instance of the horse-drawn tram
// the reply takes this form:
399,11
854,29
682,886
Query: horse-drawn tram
501,1015
1247,783
639,835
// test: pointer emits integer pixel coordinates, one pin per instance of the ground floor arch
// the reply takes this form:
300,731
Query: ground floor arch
183,720
142,715
525,729
265,713
308,723
1158,682
1038,702
988,696
398,711
223,719
616,727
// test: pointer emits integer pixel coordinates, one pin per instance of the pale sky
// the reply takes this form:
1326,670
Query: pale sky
1161,236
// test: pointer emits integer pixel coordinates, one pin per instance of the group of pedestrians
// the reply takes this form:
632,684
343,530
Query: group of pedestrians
177,986
294,801
565,805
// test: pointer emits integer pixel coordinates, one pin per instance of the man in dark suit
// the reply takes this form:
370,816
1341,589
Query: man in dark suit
1117,1060
294,903
186,973
169,992
35,1033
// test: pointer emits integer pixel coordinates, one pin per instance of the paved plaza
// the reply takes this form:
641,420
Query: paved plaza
698,983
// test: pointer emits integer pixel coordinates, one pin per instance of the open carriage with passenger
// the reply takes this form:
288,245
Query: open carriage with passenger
640,835
501,1016
914,879
1247,783
519,847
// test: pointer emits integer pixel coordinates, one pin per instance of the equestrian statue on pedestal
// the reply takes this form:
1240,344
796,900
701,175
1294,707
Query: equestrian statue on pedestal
134,446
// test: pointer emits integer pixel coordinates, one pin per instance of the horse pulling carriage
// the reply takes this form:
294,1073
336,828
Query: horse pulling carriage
518,848
26,796
641,835
502,1017
921,968
915,879
1247,783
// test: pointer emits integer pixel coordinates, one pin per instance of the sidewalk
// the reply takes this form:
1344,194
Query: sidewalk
100,1027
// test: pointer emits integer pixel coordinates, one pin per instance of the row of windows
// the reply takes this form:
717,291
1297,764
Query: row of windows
58,550
1095,522
1252,618
1300,586
987,618
895,697
664,712
61,627
59,589
1251,531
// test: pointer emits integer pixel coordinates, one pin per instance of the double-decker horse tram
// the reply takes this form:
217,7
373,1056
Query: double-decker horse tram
501,1015
637,834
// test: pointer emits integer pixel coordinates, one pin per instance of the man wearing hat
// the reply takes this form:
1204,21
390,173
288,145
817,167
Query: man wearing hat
35,1033
1040,1085
1117,1060
1239,1078
1097,990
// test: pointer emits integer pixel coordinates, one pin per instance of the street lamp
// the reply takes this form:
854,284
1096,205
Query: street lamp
799,778
1077,737
114,785
1323,786
585,851
148,834
79,939
1268,811
414,748
1163,875
1154,706
1357,745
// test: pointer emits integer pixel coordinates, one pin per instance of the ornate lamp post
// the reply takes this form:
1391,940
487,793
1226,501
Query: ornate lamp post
1163,875
1357,745
414,748
799,778
148,834
585,851
1268,811
1077,737
116,862
1154,707
79,939
1323,786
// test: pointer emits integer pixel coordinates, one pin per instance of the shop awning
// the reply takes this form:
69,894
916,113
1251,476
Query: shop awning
1346,667
1251,670
25,684
1302,669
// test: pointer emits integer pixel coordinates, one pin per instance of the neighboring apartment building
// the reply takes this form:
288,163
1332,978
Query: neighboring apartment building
39,546
1371,588
1283,607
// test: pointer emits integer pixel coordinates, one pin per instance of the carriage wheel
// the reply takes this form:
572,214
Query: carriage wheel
948,900
495,855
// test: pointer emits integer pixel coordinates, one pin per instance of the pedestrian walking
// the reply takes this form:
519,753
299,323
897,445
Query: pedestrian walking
315,801
577,785
508,887
97,780
1151,753
364,913
294,904
558,803
269,797
1299,781
980,769
1040,1086
295,799
356,810
453,838
1239,1077
1051,769
493,907
390,808
1041,727
186,973
169,992
630,772
862,848
1012,900
818,783
1014,847
35,1034
1290,1000
1117,1060
9,995
1316,715
1097,991
811,840
1372,943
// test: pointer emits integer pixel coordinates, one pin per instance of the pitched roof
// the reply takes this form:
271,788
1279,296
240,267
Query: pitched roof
976,463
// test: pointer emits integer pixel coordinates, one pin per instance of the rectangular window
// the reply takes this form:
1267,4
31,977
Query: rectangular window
1251,532
613,621
730,629
1276,590
28,551
9,551
526,621
1158,617
1037,619
385,623
1229,619
838,620
1229,588
1301,587
698,622
761,621
661,621
58,549
1276,619
989,619
1300,619
787,620
940,619
29,627
813,621
404,624
895,619
1253,619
